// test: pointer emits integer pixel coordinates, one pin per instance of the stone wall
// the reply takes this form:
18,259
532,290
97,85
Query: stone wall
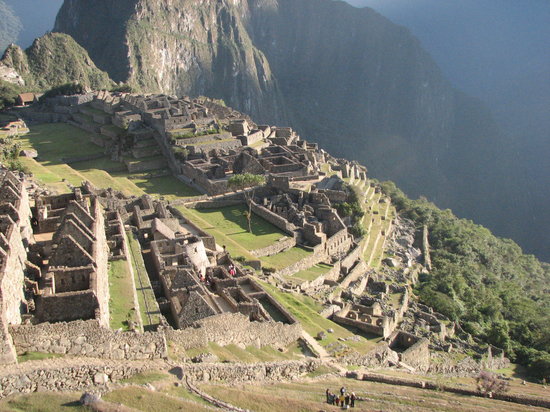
279,246
257,372
62,375
418,355
273,218
88,338
236,329
207,239
307,262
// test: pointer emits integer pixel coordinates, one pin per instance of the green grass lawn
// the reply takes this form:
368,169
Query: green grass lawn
313,272
150,313
250,354
166,186
149,401
44,402
122,307
232,223
57,141
306,310
286,258
30,356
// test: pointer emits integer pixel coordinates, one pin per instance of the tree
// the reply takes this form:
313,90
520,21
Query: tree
488,384
245,181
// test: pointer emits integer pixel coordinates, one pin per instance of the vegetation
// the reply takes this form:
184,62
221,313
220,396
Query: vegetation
9,153
230,225
8,94
150,315
66,89
30,356
44,402
245,181
497,293
53,60
149,401
121,304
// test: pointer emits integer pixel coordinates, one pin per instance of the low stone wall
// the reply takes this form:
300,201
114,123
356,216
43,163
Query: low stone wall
61,375
215,204
351,258
236,329
273,218
257,372
146,165
208,240
277,247
305,263
88,338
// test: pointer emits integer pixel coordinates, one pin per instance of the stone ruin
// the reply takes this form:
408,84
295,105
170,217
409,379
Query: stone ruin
15,238
71,252
197,281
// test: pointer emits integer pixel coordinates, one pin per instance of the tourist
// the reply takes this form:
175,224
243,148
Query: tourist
347,398
352,399
342,400
336,400
327,392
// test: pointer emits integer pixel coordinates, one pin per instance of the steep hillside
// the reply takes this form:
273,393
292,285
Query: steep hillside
177,47
348,78
53,60
10,25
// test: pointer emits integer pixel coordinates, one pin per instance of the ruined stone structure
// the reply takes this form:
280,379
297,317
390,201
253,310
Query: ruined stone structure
15,237
74,283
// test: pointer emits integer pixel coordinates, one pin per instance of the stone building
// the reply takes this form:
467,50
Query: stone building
15,237
74,282
198,283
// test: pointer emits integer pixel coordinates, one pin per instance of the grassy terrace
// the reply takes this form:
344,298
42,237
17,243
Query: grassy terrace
57,141
232,353
306,310
310,396
230,228
122,307
150,313
312,273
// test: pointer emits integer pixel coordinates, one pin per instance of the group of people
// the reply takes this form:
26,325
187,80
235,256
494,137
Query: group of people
343,399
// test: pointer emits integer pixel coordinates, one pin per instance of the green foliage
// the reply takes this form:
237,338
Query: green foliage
357,230
181,153
245,180
66,89
123,88
8,94
55,59
484,282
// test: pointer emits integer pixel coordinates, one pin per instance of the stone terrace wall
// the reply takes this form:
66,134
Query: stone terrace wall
273,218
318,256
277,247
236,329
88,338
67,375
273,371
